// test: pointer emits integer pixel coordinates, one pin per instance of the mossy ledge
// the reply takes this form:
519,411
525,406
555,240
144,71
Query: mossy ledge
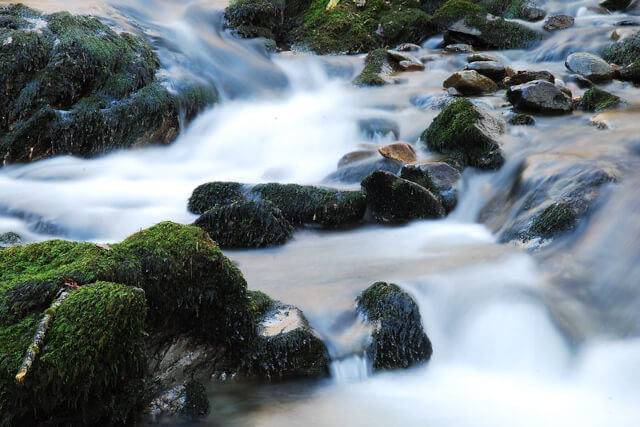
76,87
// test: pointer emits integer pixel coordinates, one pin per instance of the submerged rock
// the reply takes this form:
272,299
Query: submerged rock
480,56
558,22
598,100
76,87
527,76
468,133
540,96
356,172
396,200
399,340
378,128
400,151
590,66
438,177
246,224
470,83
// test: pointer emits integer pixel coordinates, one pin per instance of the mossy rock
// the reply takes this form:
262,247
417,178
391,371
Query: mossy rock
76,87
623,52
10,239
596,100
521,119
246,224
467,133
438,177
398,340
377,65
557,218
396,200
345,28
92,365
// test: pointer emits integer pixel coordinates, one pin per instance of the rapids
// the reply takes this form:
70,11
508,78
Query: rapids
521,338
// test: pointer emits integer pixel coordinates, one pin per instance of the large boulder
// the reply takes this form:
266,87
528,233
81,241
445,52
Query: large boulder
438,177
470,82
539,96
468,133
74,86
396,200
246,224
590,66
398,340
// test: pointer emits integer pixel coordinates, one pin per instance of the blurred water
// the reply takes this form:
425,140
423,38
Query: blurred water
519,339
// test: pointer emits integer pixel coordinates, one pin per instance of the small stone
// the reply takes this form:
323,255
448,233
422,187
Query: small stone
520,119
411,65
400,151
459,48
558,22
478,56
408,47
470,83
527,76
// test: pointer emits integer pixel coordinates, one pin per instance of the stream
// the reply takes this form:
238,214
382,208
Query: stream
522,336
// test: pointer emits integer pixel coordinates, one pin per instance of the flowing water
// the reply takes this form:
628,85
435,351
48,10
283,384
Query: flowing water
521,338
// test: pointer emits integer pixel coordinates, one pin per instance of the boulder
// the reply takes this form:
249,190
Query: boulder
438,177
491,69
615,4
400,151
539,96
470,83
467,133
246,224
74,86
398,340
598,100
378,66
396,200
527,76
590,66
558,22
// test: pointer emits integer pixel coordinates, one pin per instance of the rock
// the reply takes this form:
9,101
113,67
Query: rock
458,48
467,133
408,47
76,87
631,72
378,128
399,340
246,224
438,177
475,57
598,100
400,151
590,66
527,76
539,96
470,83
579,80
615,4
287,346
532,14
396,200
491,69
565,90
623,52
10,239
406,62
299,204
599,122
355,173
345,28
521,119
355,156
378,66
558,22
432,102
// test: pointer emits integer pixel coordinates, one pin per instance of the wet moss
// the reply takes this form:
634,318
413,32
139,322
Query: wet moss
211,194
255,18
260,303
455,10
399,340
623,52
377,63
596,99
246,224
555,219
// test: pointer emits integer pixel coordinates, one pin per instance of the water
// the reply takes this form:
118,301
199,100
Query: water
520,338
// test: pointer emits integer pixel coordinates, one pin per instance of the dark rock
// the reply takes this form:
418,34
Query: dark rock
378,128
475,57
396,200
196,401
438,177
581,81
399,151
246,224
558,22
355,156
527,76
211,194
624,52
616,4
470,83
590,66
521,119
598,100
399,340
631,72
491,69
467,133
76,87
539,96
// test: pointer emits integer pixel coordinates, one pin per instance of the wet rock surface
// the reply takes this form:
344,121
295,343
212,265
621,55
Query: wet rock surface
539,96
438,177
558,22
527,76
590,66
470,83
491,69
399,151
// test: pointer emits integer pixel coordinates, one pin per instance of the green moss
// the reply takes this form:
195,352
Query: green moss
452,127
211,194
255,18
596,99
373,68
556,218
501,34
373,298
260,303
455,10
623,52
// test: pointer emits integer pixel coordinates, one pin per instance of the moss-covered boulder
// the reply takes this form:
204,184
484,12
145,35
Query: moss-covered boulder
246,224
347,27
399,340
467,133
438,177
396,200
378,65
300,204
625,53
91,366
597,100
71,85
